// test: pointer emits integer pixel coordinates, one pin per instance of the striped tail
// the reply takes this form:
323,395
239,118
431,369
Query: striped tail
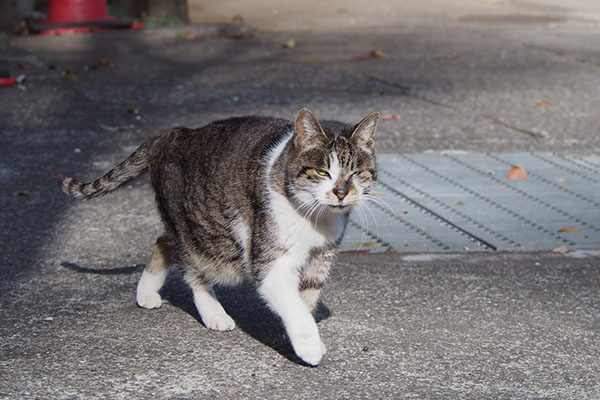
132,167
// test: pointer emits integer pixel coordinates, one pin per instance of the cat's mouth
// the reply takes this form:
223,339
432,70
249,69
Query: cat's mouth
339,206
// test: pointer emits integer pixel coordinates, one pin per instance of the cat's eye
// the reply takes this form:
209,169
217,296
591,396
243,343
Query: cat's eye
321,172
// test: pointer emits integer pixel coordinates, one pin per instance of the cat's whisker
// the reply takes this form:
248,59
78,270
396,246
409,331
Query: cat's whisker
308,205
305,204
314,207
363,223
373,215
380,202
322,207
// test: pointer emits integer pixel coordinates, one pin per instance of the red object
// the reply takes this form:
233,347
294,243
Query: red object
7,81
67,16
77,11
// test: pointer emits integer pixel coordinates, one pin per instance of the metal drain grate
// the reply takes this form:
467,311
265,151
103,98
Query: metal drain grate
458,202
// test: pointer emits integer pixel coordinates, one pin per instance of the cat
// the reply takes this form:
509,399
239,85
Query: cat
253,198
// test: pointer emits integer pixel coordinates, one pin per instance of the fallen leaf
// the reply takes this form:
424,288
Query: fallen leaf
107,63
388,117
460,203
189,36
66,74
562,180
543,103
238,19
492,172
109,128
570,229
367,244
377,53
342,10
560,250
517,173
357,251
289,44
371,54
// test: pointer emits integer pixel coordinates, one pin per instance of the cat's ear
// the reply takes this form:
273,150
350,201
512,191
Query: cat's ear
364,131
308,130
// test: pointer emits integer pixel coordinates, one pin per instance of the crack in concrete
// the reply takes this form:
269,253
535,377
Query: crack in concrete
563,55
406,91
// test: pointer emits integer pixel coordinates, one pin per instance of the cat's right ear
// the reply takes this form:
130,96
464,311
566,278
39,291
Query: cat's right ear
308,130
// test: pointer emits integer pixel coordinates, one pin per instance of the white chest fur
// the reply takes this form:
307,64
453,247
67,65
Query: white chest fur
294,231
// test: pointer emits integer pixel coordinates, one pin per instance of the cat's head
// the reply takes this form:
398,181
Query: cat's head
333,163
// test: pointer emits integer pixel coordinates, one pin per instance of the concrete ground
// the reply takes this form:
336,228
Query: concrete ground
462,76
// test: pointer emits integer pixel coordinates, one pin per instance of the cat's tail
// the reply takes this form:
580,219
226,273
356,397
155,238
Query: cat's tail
131,167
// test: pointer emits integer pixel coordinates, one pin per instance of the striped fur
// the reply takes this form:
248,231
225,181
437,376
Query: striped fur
132,167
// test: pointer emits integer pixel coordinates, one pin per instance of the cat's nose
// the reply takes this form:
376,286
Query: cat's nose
340,192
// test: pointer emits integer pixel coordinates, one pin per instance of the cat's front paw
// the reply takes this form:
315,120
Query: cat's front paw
310,349
149,300
219,322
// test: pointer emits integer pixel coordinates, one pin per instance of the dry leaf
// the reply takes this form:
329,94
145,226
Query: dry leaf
460,203
388,117
562,180
289,44
189,36
371,54
107,63
377,53
543,103
366,244
570,229
517,173
560,250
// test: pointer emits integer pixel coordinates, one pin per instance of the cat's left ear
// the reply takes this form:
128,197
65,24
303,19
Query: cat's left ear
364,131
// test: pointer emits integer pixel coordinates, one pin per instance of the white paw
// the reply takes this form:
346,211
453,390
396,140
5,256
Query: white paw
219,322
149,300
310,349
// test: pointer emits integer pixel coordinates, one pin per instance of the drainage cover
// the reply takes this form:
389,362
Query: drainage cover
465,202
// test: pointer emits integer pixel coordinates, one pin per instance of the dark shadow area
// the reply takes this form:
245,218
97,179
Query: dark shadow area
247,309
132,269
242,303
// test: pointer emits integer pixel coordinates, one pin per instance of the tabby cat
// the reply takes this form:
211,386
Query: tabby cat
253,198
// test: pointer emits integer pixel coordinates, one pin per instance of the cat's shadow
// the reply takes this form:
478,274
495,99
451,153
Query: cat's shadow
247,309
242,303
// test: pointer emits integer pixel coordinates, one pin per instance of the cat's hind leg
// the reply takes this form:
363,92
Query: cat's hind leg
153,277
211,312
